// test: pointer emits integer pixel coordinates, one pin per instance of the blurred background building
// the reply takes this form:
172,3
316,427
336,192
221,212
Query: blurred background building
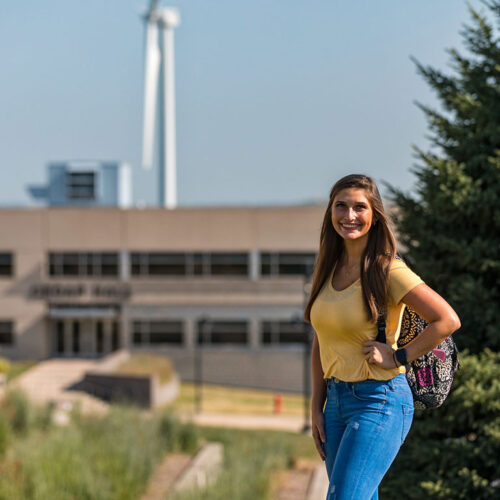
85,281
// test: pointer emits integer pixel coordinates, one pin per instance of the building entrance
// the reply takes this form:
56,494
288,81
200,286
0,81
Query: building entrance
85,337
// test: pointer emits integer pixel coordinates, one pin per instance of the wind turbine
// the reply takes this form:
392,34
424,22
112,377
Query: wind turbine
159,79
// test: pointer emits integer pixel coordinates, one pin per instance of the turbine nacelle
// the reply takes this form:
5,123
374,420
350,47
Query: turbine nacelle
169,17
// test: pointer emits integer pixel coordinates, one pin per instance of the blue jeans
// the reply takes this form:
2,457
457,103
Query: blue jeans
365,424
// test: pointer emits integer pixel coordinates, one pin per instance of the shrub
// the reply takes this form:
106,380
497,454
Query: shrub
42,416
176,435
188,438
4,366
169,428
4,434
17,410
452,452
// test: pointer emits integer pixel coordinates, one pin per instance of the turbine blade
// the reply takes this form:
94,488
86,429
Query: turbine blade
152,67
152,6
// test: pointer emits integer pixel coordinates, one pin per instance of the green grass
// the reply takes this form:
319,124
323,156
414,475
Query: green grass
222,399
148,364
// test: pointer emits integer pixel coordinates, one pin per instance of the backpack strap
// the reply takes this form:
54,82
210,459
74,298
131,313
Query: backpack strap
381,329
381,320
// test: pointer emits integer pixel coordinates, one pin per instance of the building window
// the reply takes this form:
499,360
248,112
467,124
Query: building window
109,264
6,267
282,332
189,264
6,332
232,264
157,332
223,332
158,264
286,263
81,185
84,264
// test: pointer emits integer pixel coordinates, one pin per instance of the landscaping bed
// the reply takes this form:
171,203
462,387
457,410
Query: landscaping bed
252,462
147,364
96,458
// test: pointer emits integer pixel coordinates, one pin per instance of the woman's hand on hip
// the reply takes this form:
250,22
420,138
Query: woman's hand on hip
318,432
379,354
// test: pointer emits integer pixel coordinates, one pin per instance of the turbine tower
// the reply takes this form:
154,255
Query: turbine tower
159,76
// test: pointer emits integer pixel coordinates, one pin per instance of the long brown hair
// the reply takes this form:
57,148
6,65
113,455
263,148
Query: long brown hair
377,256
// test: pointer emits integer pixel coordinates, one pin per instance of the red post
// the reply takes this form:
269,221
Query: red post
278,403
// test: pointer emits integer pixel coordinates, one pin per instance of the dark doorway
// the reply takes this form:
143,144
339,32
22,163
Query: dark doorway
75,337
115,337
99,337
60,337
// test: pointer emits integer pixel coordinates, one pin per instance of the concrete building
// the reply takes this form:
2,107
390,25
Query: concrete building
226,283
86,183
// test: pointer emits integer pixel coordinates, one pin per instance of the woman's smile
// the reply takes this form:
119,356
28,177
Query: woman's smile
350,226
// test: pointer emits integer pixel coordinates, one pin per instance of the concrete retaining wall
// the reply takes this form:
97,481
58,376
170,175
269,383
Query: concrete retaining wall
263,369
119,388
203,469
142,390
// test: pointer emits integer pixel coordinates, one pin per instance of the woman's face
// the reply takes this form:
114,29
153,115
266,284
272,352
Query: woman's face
352,214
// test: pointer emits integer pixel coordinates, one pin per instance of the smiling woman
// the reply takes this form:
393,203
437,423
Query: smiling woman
362,406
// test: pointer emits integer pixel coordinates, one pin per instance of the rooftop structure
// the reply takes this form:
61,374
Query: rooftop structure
86,184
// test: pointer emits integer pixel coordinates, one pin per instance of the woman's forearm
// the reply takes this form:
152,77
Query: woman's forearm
442,319
318,382
430,338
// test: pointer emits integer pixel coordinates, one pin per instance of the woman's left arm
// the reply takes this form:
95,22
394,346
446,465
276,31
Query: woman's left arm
442,319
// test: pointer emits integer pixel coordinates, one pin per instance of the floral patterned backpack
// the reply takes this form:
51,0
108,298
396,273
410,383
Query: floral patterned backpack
430,376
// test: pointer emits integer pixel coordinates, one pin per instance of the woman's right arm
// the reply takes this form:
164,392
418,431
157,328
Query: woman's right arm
318,399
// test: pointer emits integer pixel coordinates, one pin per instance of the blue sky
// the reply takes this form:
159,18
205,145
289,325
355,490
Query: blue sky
276,99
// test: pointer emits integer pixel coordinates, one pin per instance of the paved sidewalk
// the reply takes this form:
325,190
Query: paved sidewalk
51,381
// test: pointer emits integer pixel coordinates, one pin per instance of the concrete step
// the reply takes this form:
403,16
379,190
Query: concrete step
306,483
179,472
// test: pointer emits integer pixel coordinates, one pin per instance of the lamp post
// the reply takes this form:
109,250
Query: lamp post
204,326
307,338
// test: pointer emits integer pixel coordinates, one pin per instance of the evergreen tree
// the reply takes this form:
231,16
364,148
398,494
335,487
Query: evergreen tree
450,229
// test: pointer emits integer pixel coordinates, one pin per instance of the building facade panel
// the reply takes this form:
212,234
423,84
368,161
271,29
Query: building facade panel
92,229
22,229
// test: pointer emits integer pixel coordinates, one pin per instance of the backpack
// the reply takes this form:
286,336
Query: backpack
430,376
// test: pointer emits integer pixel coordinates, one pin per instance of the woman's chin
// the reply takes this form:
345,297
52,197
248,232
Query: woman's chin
352,235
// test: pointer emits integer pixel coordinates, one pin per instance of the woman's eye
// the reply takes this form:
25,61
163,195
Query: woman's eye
360,207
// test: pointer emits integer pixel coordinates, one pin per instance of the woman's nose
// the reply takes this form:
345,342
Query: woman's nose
350,213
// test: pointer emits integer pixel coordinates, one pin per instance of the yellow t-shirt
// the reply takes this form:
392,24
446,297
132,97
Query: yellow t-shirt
342,325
